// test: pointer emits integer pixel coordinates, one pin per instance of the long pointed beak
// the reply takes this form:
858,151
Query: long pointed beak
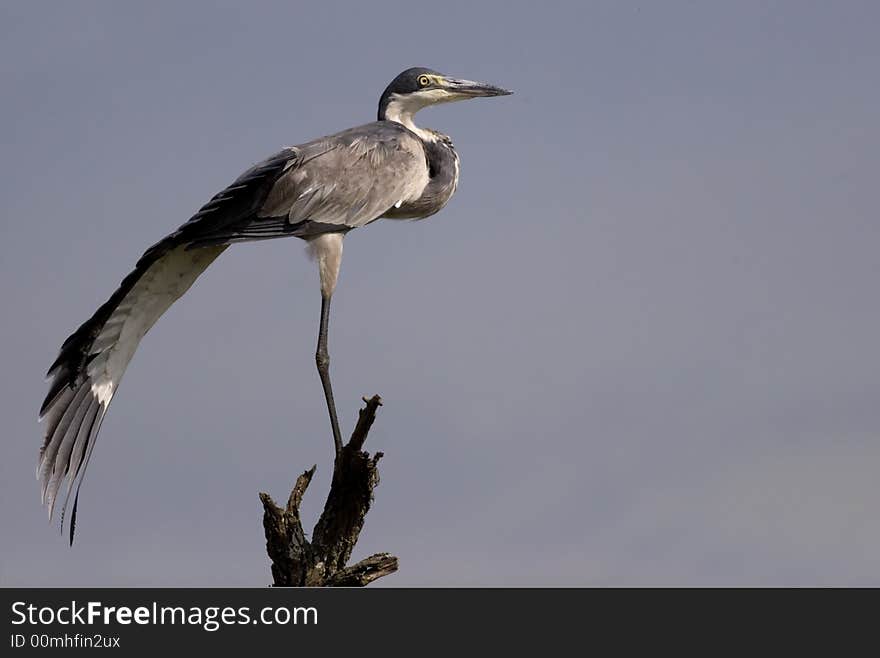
471,89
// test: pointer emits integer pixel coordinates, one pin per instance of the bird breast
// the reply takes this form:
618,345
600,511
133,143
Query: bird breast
443,171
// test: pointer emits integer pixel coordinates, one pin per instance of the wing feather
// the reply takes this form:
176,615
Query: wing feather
93,359
372,168
334,184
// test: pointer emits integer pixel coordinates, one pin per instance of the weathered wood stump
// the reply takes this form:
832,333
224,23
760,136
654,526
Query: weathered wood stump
298,562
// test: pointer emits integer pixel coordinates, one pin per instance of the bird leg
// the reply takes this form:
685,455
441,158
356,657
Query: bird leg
322,360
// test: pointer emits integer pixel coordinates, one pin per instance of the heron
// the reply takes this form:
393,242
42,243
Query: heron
317,191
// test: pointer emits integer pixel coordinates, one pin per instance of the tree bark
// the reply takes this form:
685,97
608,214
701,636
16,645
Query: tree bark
321,562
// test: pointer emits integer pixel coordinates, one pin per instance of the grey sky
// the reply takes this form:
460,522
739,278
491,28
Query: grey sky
638,347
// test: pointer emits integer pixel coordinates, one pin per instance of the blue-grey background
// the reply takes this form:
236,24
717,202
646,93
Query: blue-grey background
639,347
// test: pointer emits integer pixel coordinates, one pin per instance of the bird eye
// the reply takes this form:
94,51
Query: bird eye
424,80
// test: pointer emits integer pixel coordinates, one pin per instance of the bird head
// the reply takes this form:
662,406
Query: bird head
417,88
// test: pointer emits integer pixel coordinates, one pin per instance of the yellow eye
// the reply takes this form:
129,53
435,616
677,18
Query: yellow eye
424,81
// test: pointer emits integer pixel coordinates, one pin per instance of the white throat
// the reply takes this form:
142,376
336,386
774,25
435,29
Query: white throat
402,108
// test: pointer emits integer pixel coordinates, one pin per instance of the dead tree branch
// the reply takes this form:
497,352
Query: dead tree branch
296,561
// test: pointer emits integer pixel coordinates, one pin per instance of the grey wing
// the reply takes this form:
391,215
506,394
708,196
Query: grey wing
333,184
93,359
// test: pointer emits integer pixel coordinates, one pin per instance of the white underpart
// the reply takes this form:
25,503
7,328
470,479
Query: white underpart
402,108
327,250
162,284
